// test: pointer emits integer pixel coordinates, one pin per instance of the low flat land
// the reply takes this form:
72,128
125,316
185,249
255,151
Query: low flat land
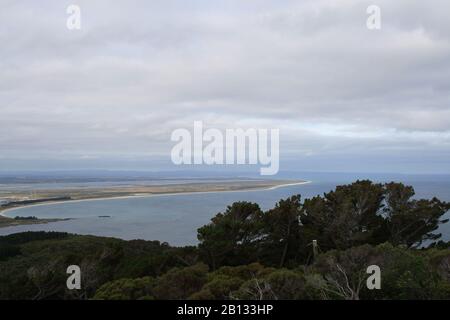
10,222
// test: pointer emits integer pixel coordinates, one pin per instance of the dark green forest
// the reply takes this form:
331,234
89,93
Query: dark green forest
248,253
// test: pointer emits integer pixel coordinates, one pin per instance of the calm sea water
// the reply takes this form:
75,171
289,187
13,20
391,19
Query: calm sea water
175,218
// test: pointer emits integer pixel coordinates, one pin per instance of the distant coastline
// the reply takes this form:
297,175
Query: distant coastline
195,188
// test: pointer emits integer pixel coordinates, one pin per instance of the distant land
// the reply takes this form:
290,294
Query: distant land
9,222
12,198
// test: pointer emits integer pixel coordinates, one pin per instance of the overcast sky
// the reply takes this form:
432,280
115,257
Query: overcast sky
345,98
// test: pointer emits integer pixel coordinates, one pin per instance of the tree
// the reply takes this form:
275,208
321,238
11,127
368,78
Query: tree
344,272
364,212
345,217
409,274
410,222
229,238
281,230
286,285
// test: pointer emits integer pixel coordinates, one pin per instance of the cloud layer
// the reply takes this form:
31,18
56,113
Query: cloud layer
137,70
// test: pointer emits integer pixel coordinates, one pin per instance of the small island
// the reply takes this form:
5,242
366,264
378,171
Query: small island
16,221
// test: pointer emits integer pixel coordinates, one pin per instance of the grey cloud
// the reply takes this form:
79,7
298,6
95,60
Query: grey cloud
139,69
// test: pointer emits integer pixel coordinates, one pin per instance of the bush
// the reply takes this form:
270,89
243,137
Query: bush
180,283
127,289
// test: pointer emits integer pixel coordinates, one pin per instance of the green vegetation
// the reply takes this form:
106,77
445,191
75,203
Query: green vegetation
246,253
25,218
8,222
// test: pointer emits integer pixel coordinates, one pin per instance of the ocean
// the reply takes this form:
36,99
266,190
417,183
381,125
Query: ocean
175,218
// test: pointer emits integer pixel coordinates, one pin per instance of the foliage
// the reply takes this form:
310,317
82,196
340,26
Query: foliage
231,235
180,283
248,253
127,289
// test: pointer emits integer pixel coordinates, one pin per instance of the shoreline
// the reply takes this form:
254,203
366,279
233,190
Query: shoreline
3,212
